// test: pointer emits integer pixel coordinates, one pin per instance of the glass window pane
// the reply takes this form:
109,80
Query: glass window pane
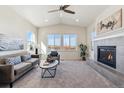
30,36
50,40
73,40
93,35
66,41
57,40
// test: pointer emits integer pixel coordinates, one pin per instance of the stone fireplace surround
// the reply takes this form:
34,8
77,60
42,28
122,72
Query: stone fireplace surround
113,41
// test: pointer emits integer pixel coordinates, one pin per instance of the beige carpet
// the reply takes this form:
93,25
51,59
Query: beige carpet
69,74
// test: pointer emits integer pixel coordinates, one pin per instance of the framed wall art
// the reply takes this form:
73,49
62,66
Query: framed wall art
110,23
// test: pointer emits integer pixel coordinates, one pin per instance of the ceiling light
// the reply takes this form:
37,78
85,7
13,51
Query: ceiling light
77,20
46,20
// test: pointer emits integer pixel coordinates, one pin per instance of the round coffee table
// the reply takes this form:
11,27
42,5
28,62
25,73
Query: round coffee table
48,67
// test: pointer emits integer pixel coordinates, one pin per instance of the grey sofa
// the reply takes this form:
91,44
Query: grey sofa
10,73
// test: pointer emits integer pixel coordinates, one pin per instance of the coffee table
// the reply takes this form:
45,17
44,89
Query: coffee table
51,67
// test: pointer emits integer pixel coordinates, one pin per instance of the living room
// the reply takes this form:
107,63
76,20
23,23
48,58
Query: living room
53,45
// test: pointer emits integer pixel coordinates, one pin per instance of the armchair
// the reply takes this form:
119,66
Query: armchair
53,56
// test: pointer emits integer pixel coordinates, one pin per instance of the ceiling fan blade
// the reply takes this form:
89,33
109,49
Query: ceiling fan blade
69,11
53,11
65,6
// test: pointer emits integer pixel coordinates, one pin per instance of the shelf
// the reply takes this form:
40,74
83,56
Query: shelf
111,34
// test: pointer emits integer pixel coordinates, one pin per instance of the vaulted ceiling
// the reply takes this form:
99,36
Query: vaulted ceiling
38,14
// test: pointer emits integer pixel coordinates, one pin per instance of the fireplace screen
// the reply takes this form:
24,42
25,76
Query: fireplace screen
107,55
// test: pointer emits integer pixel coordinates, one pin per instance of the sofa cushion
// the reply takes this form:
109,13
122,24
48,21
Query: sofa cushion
20,68
26,57
13,60
34,61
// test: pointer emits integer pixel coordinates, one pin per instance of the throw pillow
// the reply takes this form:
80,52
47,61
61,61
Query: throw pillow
26,57
13,60
49,59
54,53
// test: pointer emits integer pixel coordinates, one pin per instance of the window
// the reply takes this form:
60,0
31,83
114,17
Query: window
73,41
69,41
30,37
93,35
30,40
54,41
65,41
57,41
50,40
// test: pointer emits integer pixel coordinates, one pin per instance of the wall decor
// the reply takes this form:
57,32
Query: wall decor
110,23
8,43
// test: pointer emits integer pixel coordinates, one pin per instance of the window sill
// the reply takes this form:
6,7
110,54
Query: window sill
75,50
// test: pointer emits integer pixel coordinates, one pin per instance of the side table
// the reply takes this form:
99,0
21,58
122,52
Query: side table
49,68
36,56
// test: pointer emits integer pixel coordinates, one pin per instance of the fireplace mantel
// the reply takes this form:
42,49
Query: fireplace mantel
111,34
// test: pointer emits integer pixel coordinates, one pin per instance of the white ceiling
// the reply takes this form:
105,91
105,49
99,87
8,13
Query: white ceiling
38,14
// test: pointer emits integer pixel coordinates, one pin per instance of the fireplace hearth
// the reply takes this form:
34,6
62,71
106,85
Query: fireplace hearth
107,55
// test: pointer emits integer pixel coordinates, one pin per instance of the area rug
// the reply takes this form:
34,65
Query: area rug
70,74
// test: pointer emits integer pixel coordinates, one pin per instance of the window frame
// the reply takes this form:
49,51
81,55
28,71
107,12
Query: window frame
49,46
62,41
70,41
31,42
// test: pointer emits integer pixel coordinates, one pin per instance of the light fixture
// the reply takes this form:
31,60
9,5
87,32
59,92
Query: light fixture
77,20
46,20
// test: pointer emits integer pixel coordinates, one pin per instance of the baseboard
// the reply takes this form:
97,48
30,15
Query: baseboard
70,59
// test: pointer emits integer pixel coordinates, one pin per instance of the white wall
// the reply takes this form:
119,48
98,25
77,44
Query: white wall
14,25
62,29
90,29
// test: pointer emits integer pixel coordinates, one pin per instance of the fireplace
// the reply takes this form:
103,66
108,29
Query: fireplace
107,55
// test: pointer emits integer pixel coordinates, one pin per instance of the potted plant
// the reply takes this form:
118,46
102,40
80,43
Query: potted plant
83,53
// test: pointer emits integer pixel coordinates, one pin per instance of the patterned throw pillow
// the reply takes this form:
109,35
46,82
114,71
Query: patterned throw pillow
26,57
13,60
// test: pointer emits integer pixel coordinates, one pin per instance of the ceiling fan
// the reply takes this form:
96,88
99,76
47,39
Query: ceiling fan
63,8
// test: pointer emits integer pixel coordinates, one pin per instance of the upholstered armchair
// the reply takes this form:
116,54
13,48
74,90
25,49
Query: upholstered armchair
53,56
